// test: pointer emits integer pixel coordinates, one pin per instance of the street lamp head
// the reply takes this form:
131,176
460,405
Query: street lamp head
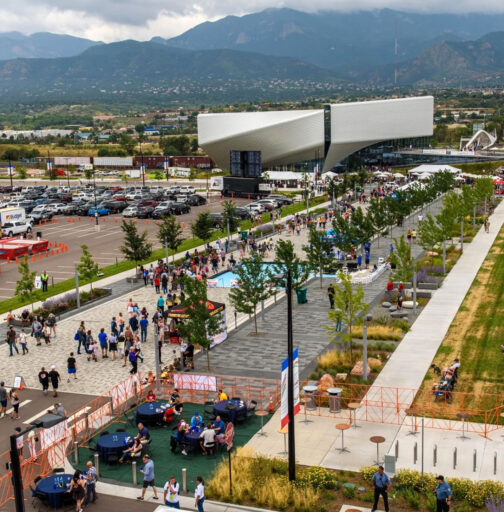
368,318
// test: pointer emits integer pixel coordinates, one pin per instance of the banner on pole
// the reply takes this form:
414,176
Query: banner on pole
284,394
297,405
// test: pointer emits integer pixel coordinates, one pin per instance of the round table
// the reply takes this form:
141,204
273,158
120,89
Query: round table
353,406
193,438
463,416
229,409
151,413
261,414
113,444
342,427
50,487
414,414
284,431
309,392
378,440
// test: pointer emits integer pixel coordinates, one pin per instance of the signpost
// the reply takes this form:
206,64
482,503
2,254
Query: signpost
228,437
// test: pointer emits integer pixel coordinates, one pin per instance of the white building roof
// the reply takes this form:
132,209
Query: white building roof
287,175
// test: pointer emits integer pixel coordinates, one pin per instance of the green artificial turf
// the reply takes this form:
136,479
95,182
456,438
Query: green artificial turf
165,462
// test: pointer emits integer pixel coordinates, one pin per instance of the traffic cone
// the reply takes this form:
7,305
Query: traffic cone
68,219
17,261
271,408
8,260
146,222
78,218
33,258
39,255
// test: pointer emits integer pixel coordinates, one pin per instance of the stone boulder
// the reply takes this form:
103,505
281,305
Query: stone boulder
399,314
386,304
392,308
408,304
358,369
325,382
374,363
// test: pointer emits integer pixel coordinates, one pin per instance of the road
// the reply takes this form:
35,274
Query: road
104,244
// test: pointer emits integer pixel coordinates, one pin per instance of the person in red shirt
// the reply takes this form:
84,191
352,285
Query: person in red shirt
151,397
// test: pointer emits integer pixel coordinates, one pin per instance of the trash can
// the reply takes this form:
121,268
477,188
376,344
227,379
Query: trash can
244,235
301,295
309,396
334,399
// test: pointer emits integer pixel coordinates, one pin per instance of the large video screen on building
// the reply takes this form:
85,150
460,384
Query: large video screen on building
245,164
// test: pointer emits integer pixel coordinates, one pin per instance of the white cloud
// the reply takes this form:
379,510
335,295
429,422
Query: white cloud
112,20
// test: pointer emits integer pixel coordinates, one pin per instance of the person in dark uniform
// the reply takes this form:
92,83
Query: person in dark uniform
44,380
382,485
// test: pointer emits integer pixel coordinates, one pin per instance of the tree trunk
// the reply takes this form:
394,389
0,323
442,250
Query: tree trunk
255,319
350,342
321,272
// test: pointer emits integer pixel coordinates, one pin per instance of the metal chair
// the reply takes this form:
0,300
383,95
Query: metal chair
120,430
241,416
58,470
104,433
112,458
236,398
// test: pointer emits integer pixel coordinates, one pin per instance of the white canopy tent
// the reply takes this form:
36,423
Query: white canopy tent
433,169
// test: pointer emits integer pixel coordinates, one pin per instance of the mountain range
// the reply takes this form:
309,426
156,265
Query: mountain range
276,53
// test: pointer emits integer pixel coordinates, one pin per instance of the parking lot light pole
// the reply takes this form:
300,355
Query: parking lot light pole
143,166
11,172
94,193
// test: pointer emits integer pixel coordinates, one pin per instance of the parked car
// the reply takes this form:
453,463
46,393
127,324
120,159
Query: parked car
162,211
144,212
101,210
280,199
130,211
180,208
37,217
242,212
196,200
18,227
218,220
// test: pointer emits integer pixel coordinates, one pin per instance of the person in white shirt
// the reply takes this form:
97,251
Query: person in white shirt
171,493
199,493
23,339
207,439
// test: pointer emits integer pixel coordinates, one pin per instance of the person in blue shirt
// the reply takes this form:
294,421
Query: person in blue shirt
196,420
143,434
102,336
161,303
382,485
148,474
443,494
143,329
220,428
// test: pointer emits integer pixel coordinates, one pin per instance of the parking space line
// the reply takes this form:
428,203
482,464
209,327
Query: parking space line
23,403
107,234
33,418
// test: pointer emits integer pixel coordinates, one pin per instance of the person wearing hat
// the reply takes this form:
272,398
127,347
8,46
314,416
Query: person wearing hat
443,494
196,420
382,485
55,379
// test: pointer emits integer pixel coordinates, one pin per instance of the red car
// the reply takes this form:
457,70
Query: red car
119,197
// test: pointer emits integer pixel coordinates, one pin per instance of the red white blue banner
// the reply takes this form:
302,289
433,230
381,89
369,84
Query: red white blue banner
284,409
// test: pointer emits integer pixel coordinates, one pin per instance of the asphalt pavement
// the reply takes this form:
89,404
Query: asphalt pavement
104,242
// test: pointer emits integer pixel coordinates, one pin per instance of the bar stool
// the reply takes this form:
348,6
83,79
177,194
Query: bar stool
261,414
284,431
302,401
463,416
378,440
414,413
353,406
342,427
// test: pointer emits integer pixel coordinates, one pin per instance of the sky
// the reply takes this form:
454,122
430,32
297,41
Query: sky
114,20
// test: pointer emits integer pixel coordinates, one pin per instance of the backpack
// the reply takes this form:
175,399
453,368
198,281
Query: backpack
76,336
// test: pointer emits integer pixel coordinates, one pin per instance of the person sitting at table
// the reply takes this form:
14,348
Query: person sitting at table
143,434
174,395
151,397
196,420
221,396
207,440
168,415
132,451
179,436
178,407
219,427
77,485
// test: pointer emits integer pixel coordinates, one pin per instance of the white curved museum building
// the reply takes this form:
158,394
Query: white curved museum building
332,133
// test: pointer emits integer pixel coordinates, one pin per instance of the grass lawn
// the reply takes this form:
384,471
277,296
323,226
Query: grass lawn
166,463
477,333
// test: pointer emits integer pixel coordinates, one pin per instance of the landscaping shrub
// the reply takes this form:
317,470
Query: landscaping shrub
317,477
400,324
380,345
349,492
379,332
333,359
367,472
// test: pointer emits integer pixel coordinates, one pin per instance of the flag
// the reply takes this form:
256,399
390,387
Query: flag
284,388
297,405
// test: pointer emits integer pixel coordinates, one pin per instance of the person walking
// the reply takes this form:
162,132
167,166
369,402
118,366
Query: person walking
80,336
443,494
148,473
55,378
144,323
171,493
11,340
382,485
23,339
71,367
330,295
199,493
133,359
14,398
103,338
3,399
90,483
77,490
43,377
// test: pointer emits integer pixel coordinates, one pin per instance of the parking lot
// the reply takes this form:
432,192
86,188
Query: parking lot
103,242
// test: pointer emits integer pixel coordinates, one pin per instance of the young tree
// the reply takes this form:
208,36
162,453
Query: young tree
345,235
158,174
429,233
362,226
203,227
25,287
252,285
229,216
483,189
318,253
88,173
170,234
379,216
201,326
349,305
21,172
87,268
286,258
403,260
127,143
135,248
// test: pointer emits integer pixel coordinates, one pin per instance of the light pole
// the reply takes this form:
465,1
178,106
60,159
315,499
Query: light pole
290,375
68,172
10,171
143,166
94,193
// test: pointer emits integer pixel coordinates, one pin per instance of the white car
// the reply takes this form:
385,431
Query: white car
56,208
41,208
130,211
254,208
16,228
187,190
